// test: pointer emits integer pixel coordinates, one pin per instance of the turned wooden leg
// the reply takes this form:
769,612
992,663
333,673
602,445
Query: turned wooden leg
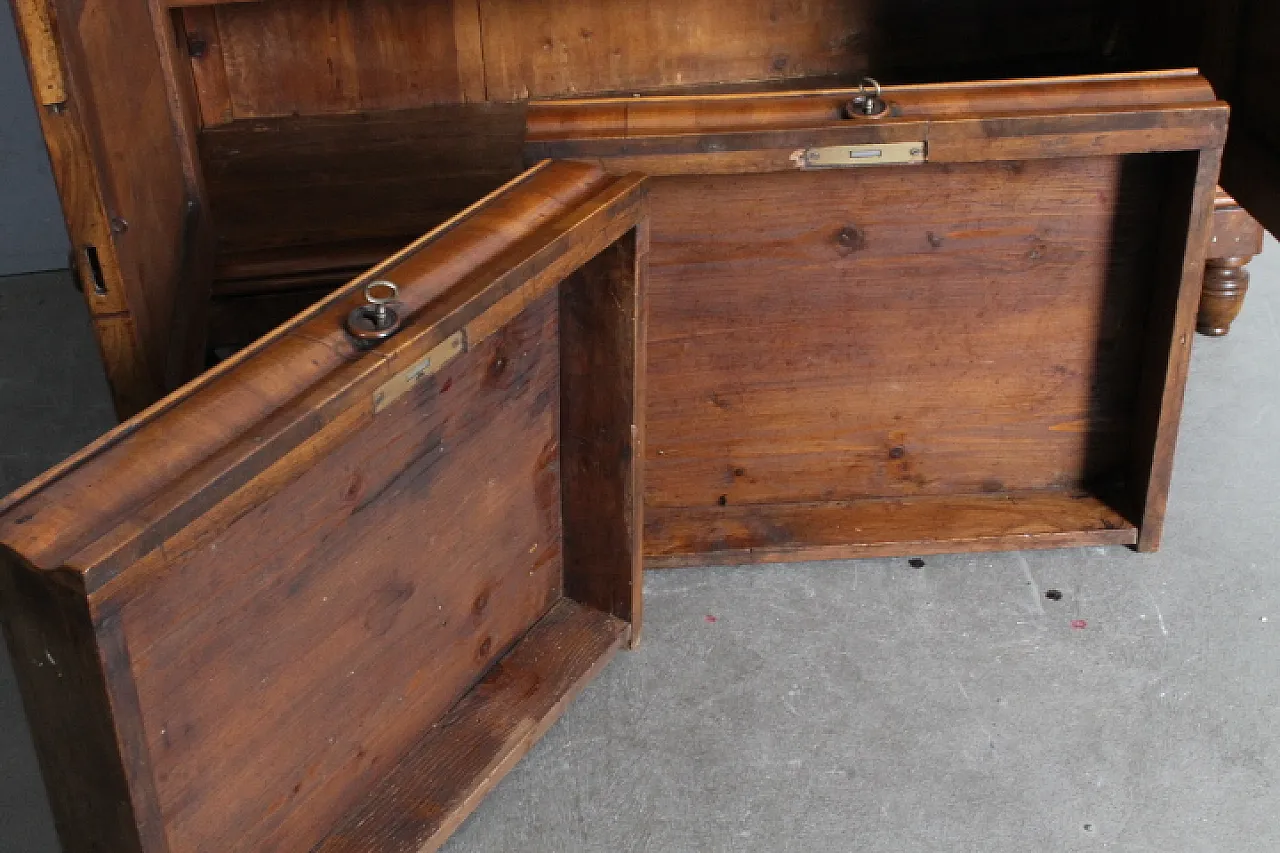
1226,282
1237,238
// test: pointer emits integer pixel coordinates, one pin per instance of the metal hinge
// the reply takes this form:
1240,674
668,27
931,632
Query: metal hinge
847,156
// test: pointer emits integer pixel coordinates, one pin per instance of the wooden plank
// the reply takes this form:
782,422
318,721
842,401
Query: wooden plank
434,525
118,82
1187,226
815,105
556,47
841,335
470,45
885,527
1026,135
208,68
189,320
565,47
299,183
77,170
444,776
602,399
36,26
66,689
292,57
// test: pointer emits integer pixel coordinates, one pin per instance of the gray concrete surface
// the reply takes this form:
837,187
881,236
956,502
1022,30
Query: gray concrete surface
870,706
32,236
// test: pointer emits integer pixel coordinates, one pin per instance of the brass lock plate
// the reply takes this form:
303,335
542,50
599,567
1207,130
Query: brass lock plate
429,365
853,156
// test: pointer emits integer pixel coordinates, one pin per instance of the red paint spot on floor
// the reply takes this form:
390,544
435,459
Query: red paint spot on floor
711,618
1079,623
448,383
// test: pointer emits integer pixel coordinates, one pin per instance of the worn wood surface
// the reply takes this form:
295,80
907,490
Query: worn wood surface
1186,219
67,671
436,526
442,778
881,527
120,172
290,57
292,576
978,325
66,514
304,188
578,119
282,57
829,336
603,332
972,122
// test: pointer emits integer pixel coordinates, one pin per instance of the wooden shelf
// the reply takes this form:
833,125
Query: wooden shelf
880,527
442,778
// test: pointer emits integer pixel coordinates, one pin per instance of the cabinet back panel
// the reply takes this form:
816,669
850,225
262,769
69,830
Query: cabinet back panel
931,330
304,57
288,57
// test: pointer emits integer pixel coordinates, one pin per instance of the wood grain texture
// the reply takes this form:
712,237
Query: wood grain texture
1187,226
518,276
190,317
226,402
977,325
588,118
603,334
72,155
434,526
442,777
307,187
290,582
117,77
558,47
555,47
65,679
43,61
208,66
882,527
1226,283
122,157
955,123
834,336
303,57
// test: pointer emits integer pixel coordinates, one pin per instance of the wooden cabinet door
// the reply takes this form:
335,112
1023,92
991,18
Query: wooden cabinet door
324,596
124,162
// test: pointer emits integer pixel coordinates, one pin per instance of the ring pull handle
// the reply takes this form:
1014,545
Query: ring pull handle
378,318
869,102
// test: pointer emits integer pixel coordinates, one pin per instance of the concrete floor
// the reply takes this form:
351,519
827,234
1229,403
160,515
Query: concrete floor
869,705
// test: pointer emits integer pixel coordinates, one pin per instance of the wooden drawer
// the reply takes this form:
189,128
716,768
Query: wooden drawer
981,347
325,596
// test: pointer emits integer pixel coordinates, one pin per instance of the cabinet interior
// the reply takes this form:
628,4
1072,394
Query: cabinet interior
328,135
